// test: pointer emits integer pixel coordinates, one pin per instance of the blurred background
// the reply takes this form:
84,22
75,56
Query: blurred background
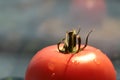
27,26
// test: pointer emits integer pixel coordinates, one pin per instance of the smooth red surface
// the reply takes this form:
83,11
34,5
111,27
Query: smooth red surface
89,64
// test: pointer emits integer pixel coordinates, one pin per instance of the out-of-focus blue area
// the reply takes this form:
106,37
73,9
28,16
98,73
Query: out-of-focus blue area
27,26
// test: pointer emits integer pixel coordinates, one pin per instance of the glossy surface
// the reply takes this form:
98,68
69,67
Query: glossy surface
89,64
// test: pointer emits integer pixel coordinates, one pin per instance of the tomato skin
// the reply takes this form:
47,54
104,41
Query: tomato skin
89,64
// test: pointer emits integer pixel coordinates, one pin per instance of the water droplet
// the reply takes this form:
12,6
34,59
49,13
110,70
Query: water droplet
51,66
53,74
96,61
75,62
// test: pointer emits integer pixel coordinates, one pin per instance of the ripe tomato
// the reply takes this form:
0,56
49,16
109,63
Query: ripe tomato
51,63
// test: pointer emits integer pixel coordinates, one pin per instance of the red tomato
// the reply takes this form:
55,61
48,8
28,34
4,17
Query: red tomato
87,64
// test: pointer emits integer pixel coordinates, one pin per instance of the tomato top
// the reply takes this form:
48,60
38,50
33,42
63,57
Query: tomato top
68,62
89,64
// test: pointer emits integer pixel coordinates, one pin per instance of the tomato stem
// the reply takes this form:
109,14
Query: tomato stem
70,42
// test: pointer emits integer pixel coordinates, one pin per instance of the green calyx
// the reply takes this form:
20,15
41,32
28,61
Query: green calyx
72,42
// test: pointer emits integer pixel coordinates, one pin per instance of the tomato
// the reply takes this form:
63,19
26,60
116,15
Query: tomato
54,63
